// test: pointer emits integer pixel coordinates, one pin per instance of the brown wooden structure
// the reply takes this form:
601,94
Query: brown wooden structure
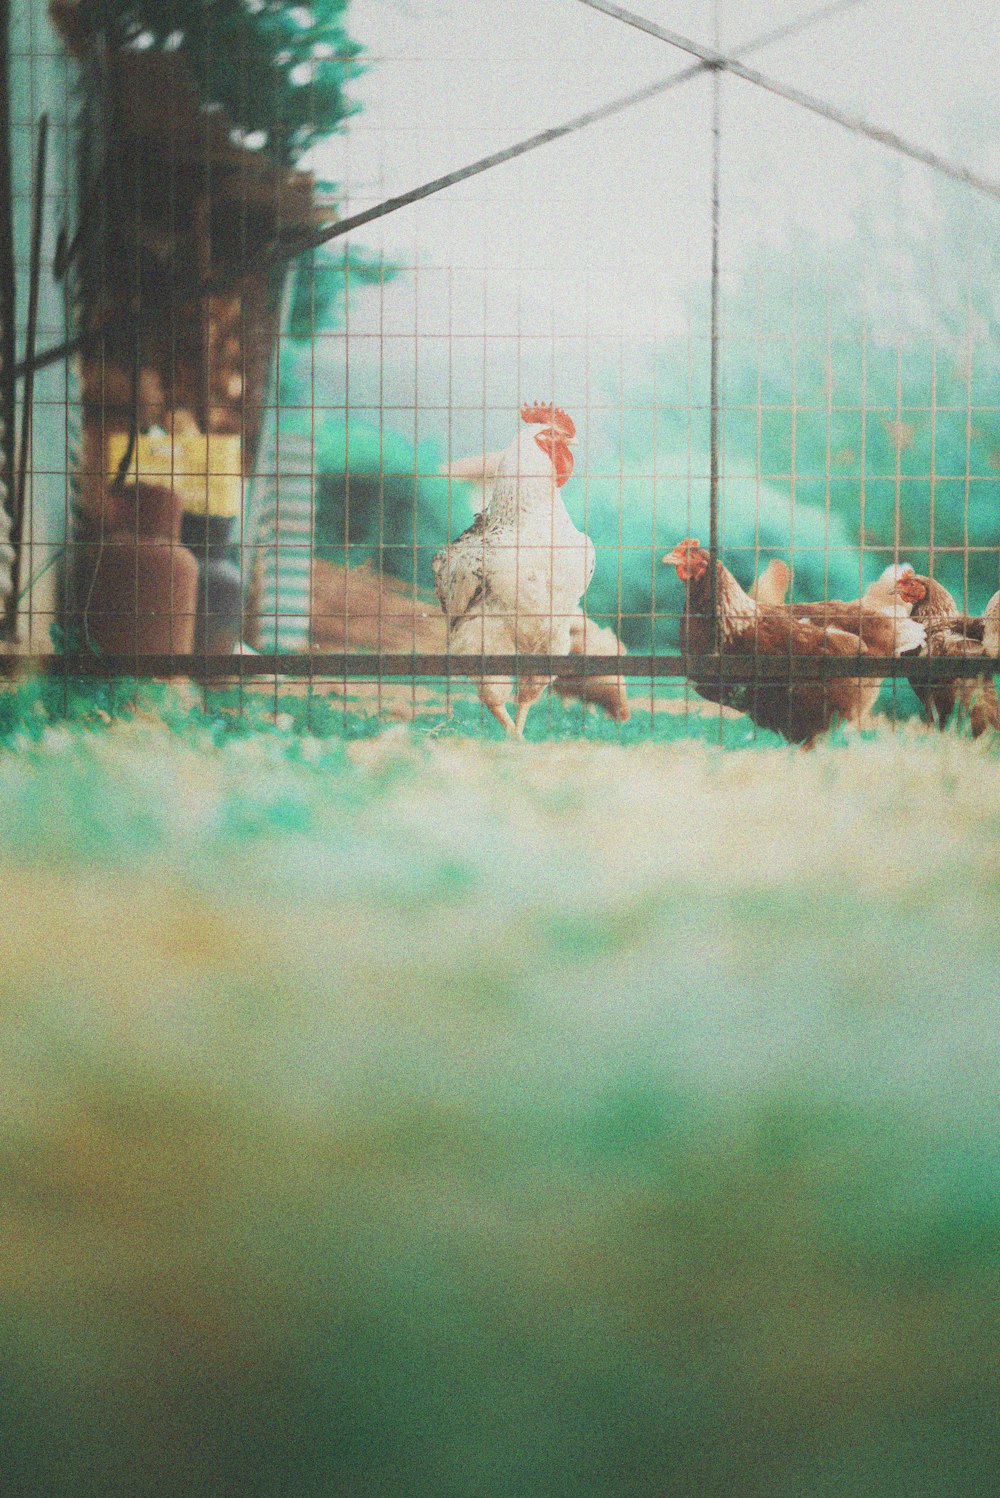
178,201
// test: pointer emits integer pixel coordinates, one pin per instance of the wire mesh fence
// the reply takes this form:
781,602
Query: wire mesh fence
446,470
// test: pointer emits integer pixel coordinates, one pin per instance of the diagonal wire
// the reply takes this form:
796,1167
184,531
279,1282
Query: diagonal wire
579,122
856,123
315,239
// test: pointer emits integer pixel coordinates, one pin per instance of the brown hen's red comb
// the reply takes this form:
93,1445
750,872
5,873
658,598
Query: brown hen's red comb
539,415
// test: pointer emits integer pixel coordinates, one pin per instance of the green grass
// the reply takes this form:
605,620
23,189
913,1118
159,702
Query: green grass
670,713
406,1114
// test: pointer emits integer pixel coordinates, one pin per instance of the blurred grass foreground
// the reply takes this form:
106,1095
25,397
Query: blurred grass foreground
405,1117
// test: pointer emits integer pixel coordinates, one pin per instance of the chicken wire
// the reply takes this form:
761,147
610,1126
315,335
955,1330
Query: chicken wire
356,422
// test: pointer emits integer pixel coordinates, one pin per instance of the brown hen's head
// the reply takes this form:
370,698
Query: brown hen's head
690,558
925,594
911,588
884,592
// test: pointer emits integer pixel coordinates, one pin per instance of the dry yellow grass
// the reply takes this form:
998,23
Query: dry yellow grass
598,826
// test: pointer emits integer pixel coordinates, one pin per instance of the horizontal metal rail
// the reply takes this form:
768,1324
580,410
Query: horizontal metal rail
334,666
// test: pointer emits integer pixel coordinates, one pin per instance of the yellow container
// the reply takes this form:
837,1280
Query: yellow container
206,471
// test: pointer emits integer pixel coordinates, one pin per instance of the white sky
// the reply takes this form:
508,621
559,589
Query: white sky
599,236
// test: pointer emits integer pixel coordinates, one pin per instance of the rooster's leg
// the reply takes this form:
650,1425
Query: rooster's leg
530,688
493,693
501,714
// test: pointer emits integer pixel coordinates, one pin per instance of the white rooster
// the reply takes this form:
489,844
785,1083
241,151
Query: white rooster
514,580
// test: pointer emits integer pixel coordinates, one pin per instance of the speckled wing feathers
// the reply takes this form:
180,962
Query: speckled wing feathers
458,571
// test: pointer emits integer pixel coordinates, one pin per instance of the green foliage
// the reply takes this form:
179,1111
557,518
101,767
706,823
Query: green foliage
632,521
881,378
860,424
279,70
379,497
323,281
881,461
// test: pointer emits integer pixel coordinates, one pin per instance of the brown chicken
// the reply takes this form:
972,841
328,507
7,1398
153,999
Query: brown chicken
609,692
952,633
800,711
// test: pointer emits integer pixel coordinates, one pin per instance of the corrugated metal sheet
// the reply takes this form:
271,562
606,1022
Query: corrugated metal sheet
281,506
284,490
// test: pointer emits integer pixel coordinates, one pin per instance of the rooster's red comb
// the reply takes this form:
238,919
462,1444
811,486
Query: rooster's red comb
540,415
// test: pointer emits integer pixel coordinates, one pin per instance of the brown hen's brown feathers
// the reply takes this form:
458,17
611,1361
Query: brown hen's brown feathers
953,634
799,711
876,629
